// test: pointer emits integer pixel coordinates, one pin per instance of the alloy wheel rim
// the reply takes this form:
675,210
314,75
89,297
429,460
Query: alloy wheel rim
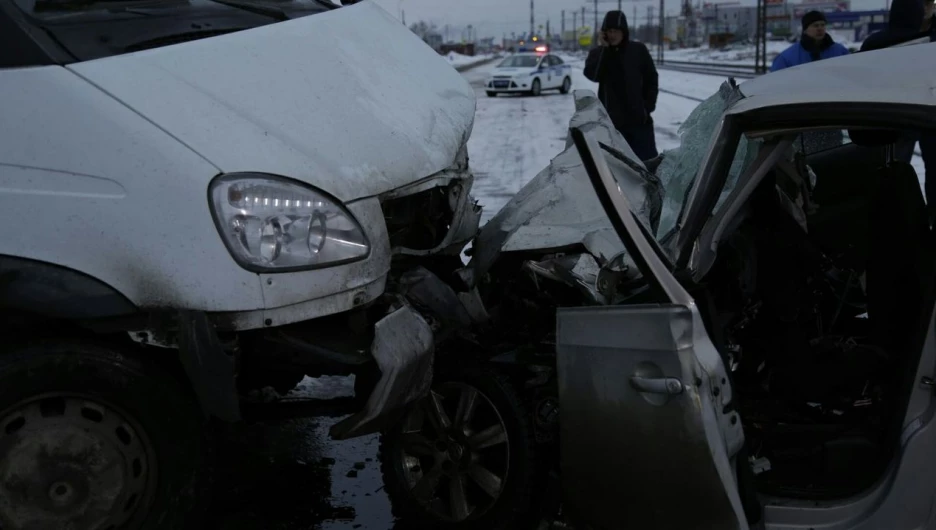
455,453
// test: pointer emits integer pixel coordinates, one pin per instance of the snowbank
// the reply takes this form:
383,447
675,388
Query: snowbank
457,59
742,54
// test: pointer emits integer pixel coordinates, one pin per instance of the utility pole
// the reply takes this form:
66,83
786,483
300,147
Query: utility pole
562,30
649,31
760,64
532,29
575,29
403,14
595,33
619,5
660,33
583,17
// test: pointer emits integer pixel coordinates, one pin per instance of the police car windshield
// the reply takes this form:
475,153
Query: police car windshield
520,61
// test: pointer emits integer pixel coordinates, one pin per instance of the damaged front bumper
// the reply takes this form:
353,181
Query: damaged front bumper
403,349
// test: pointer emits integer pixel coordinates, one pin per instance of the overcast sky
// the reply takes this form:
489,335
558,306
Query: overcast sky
493,18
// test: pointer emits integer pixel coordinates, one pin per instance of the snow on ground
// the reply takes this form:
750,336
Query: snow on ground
457,59
515,137
736,53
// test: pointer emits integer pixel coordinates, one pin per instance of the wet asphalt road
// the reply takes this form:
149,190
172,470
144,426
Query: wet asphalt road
288,475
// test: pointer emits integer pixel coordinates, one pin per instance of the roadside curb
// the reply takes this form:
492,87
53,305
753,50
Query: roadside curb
482,62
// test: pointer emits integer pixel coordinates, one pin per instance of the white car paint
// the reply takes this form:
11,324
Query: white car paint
899,75
107,162
550,76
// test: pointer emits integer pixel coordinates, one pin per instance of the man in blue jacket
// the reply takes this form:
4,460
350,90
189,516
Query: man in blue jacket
814,44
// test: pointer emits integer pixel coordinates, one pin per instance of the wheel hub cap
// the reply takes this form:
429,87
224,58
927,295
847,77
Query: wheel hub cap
68,462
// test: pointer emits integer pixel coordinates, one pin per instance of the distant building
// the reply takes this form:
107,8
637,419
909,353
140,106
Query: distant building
459,48
434,40
783,17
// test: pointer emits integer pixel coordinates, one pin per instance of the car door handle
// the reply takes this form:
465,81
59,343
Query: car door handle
660,385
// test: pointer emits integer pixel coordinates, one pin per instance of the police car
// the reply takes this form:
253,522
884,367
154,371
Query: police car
530,73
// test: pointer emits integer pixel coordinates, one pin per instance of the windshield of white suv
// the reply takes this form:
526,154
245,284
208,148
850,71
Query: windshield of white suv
680,166
519,61
92,29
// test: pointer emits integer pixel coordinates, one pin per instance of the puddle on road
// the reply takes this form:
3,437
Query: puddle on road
288,475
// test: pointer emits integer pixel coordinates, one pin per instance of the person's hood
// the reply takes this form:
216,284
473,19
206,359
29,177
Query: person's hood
906,15
349,101
616,20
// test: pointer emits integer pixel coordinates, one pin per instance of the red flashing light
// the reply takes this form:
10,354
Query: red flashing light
541,49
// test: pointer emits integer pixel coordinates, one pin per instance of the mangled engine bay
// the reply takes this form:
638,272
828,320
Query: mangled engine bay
814,385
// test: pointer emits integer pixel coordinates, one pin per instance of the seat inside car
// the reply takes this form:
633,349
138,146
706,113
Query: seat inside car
872,214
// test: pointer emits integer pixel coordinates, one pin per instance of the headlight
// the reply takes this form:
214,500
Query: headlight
274,224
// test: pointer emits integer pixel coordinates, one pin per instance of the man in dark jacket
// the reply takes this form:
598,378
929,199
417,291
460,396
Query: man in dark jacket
905,23
814,44
911,22
628,84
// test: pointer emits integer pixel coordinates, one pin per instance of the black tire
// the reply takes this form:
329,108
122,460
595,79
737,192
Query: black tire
130,410
492,94
520,499
536,88
566,86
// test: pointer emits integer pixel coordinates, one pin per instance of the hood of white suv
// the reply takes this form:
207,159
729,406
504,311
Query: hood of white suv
349,101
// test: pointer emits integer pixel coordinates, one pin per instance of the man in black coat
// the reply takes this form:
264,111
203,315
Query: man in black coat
911,22
628,83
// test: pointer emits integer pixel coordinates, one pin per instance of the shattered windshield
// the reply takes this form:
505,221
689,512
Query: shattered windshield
520,61
680,166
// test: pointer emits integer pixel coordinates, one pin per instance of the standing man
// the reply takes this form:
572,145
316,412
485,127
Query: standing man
911,22
628,84
814,44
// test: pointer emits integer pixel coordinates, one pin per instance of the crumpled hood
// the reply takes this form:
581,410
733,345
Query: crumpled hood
349,101
559,207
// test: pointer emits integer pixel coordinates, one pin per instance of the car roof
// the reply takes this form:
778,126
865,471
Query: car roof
902,75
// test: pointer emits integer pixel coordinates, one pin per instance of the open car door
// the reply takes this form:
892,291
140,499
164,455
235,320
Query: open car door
648,437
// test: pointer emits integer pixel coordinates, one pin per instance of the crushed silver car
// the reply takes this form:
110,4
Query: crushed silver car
737,335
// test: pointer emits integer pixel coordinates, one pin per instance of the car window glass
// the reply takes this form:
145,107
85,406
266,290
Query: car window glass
520,61
557,60
680,166
812,142
744,155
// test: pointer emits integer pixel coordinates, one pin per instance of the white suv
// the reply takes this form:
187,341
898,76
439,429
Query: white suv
204,197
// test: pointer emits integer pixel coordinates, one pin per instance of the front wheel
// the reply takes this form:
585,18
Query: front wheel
536,88
94,438
566,86
463,457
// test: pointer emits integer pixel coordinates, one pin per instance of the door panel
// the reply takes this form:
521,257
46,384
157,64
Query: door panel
642,445
647,431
